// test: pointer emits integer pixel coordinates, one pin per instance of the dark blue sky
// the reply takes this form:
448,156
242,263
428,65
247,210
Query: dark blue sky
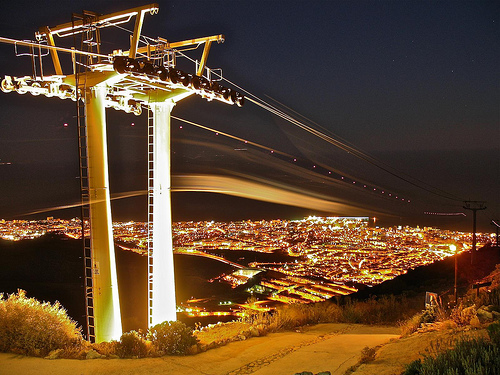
413,83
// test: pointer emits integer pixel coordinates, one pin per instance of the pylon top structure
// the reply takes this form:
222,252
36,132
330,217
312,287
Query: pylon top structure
145,74
131,73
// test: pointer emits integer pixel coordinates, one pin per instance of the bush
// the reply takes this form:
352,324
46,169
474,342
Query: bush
30,327
171,338
385,310
413,368
411,325
462,315
105,348
429,315
367,354
132,345
473,356
291,316
494,332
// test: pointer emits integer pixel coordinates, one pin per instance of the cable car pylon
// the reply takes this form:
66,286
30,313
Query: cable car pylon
127,80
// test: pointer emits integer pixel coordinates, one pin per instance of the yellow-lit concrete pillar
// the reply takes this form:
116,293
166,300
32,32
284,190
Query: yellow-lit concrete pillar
107,319
163,294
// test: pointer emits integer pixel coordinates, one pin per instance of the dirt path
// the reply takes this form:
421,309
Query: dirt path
324,347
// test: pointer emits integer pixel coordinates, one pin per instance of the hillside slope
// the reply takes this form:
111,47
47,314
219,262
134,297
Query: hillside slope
439,276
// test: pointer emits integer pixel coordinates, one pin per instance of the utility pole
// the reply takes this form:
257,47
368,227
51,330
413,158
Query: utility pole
474,206
455,294
496,223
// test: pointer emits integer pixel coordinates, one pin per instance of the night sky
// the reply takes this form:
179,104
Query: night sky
415,85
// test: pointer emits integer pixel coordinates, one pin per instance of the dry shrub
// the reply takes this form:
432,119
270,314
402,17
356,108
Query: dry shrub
448,324
289,317
410,325
132,345
171,338
353,312
367,355
283,318
384,310
325,312
76,351
295,315
461,315
485,296
30,327
108,349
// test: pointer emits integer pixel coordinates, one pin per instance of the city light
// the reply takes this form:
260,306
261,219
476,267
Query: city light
315,258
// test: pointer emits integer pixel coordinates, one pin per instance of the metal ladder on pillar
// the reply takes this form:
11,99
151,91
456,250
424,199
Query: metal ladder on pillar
85,216
88,283
151,161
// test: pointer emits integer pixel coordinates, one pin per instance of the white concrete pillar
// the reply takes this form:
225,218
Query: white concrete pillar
163,293
107,318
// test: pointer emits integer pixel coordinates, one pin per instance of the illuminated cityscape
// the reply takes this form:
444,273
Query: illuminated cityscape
280,261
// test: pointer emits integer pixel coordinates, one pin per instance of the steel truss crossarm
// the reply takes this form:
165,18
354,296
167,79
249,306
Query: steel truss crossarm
96,21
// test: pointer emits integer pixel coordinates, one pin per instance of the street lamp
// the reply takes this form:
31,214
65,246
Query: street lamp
454,249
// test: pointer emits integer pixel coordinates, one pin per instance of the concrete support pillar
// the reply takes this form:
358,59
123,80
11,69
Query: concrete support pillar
107,318
163,293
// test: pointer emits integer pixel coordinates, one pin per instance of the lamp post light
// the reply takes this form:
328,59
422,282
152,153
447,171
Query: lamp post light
454,249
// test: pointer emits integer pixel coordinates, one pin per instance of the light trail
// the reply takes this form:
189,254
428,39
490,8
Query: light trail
128,194
264,191
445,213
245,188
327,169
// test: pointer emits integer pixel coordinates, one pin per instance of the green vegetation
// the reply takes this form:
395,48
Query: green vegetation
30,327
478,356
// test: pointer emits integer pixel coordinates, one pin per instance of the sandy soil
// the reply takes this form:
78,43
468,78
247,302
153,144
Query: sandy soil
324,347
